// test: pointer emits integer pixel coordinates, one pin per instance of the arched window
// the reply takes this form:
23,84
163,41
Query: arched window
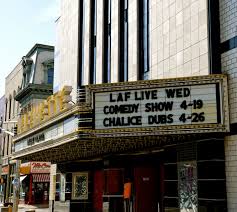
10,107
6,109
14,104
3,146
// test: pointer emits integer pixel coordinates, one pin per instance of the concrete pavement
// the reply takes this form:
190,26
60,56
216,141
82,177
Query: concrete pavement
36,208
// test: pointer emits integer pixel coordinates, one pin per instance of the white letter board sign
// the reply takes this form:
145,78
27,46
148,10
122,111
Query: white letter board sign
186,103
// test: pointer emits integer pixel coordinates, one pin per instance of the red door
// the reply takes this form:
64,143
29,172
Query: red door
98,190
146,190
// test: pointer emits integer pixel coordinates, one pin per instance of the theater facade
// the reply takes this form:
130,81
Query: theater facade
154,145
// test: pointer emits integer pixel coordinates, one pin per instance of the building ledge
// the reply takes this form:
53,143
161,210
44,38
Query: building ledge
34,88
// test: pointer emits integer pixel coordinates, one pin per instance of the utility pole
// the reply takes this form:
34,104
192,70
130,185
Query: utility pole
11,164
16,186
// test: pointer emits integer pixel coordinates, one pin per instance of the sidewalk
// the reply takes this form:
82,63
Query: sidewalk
36,208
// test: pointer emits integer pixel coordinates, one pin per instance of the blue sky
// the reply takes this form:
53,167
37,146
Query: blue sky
23,24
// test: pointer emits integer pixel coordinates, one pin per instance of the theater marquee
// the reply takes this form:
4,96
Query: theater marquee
162,106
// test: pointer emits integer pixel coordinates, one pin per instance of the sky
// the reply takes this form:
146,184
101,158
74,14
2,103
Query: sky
23,24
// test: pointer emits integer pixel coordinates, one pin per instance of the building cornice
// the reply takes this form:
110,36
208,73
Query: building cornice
34,88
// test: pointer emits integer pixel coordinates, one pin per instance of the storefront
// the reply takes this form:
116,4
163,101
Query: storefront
153,146
3,184
35,178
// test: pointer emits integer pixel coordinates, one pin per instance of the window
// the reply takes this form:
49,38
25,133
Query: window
68,188
7,147
143,39
14,103
80,185
10,107
6,111
107,42
93,42
3,146
58,187
123,63
50,76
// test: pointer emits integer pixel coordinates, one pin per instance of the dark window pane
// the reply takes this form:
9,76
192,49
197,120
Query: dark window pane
212,189
171,188
50,76
171,172
171,203
58,178
211,149
211,170
170,155
69,177
215,206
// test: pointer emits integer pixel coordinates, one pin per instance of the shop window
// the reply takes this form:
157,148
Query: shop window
171,204
170,155
211,176
170,171
211,170
211,189
80,186
171,189
207,205
68,188
211,149
58,187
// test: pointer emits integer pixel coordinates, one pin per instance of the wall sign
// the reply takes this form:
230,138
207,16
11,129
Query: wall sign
80,185
40,167
156,107
162,103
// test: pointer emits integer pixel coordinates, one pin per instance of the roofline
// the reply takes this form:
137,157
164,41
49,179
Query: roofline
13,70
38,45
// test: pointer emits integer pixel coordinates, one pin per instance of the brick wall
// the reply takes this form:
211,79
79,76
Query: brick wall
178,38
229,66
228,19
231,172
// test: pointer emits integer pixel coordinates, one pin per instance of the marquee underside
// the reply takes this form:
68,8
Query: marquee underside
89,149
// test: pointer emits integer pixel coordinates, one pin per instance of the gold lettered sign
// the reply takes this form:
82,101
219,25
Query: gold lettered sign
44,110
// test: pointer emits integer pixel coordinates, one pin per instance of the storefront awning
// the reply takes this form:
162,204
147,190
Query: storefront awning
41,178
22,178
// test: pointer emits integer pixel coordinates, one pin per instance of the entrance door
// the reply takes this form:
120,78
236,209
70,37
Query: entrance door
146,189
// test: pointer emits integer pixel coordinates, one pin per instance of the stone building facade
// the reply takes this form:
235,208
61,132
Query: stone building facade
29,82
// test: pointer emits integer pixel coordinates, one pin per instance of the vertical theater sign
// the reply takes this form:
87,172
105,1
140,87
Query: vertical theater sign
172,106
